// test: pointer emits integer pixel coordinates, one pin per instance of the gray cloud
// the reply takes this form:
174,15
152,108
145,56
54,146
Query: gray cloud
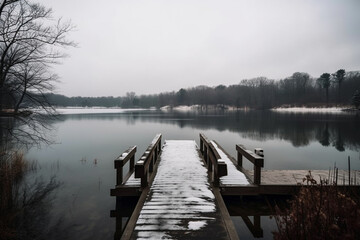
153,46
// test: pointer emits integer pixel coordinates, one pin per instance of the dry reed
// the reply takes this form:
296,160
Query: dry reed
320,212
18,199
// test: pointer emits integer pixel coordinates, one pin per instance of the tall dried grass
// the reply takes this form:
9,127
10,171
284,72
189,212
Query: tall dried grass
320,212
20,201
12,170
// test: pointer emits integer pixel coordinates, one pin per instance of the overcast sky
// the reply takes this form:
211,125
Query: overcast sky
151,46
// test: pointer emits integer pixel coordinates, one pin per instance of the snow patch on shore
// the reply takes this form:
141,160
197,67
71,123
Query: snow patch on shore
95,110
197,107
308,110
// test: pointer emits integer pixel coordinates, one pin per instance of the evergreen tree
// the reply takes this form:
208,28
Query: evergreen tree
324,81
339,78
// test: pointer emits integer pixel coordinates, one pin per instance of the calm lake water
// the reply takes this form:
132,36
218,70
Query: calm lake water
87,144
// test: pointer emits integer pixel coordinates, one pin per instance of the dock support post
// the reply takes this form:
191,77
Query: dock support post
257,225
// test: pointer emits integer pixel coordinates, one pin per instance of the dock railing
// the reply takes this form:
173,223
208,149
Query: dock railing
212,159
119,163
257,160
145,166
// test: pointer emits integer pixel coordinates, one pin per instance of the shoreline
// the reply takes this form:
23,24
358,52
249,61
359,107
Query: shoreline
194,108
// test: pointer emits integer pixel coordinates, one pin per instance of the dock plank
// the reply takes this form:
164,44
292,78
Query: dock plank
180,203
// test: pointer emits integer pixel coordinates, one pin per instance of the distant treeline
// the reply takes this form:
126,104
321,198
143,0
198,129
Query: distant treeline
261,93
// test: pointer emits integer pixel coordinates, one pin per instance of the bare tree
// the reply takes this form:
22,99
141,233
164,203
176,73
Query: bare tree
30,42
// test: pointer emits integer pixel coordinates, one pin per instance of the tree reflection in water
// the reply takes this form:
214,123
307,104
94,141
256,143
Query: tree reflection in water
25,200
338,130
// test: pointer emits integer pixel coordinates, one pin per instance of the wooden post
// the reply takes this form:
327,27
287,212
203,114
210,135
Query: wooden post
257,174
239,159
118,218
257,226
144,180
159,146
201,146
132,162
215,175
216,180
349,168
336,176
155,153
152,161
206,155
119,174
208,160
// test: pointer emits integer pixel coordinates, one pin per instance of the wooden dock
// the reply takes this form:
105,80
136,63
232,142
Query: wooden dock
180,187
180,203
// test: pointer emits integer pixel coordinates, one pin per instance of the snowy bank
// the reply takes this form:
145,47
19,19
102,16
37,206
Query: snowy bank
95,110
185,108
308,110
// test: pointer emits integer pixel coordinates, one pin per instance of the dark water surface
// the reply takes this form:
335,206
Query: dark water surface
87,144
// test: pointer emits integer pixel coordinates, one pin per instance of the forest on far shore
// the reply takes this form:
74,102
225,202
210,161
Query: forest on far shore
300,89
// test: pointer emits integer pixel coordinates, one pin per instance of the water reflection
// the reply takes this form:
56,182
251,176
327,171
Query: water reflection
289,141
26,200
252,216
340,131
